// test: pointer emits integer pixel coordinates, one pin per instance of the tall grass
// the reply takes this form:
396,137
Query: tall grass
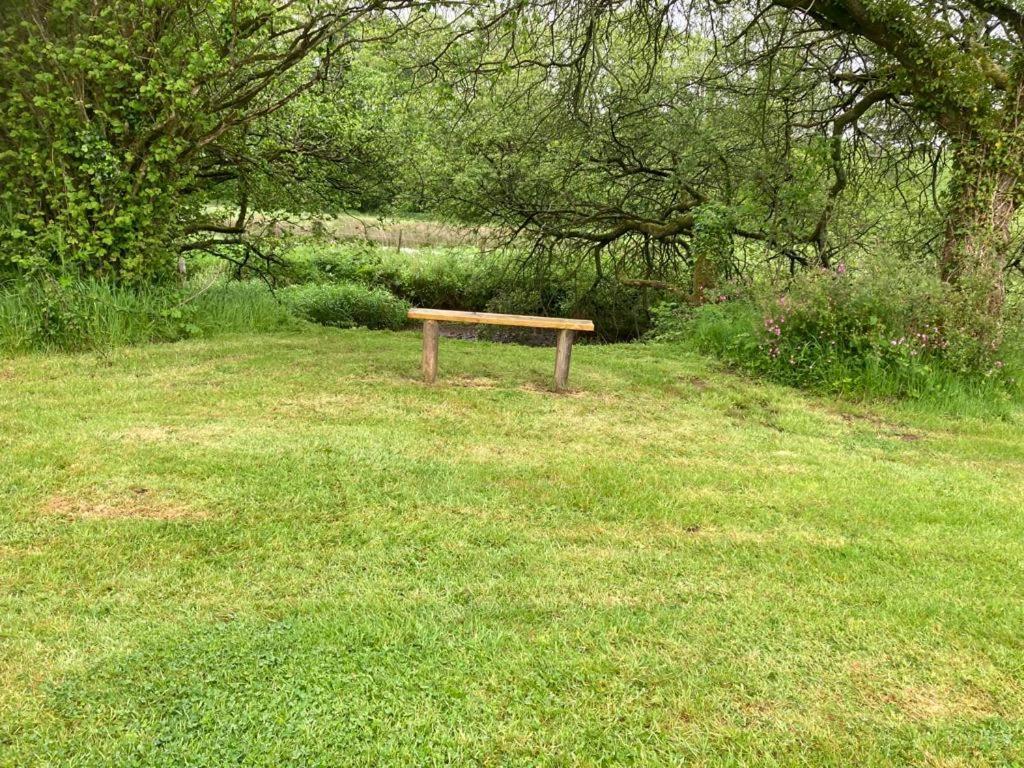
72,315
238,307
78,315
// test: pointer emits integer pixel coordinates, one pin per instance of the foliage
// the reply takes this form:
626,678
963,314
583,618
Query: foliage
617,147
469,279
120,121
619,312
235,306
346,305
684,165
73,315
366,138
798,121
727,327
444,278
874,331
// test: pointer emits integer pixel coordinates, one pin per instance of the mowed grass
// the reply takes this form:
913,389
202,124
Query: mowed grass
286,550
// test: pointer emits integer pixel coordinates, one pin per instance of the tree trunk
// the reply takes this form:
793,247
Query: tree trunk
705,275
976,246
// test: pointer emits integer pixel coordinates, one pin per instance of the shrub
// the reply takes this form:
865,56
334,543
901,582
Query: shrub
446,278
464,278
346,305
316,262
902,324
726,328
878,331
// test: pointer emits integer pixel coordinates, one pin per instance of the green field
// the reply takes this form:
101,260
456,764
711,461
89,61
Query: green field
286,550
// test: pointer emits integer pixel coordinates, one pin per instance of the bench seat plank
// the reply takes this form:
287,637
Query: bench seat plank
494,318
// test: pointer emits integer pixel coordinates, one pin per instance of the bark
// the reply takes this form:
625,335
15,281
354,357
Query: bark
976,245
705,276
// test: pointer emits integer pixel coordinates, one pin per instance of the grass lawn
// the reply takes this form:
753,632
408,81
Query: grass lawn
286,550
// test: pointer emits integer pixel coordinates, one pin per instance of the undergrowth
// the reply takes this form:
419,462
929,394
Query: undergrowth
75,315
866,335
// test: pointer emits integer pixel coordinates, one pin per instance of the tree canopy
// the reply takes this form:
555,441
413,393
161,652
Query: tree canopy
655,141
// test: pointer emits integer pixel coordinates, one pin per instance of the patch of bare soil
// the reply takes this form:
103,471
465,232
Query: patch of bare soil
548,389
883,427
138,503
929,703
475,382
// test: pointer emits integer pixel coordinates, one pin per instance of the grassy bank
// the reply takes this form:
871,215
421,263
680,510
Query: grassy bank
287,550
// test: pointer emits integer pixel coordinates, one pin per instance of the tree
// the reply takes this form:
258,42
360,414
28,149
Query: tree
959,63
931,74
686,165
121,121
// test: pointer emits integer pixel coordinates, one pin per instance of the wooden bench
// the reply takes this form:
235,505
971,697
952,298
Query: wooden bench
431,332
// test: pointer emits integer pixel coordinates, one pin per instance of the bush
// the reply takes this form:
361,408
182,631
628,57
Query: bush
879,332
75,315
463,279
727,328
619,312
346,305
468,279
316,262
445,278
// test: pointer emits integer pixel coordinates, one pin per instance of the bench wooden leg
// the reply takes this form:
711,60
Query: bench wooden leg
431,333
563,353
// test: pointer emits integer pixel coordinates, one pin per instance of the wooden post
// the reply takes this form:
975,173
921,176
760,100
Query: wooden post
431,332
563,352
